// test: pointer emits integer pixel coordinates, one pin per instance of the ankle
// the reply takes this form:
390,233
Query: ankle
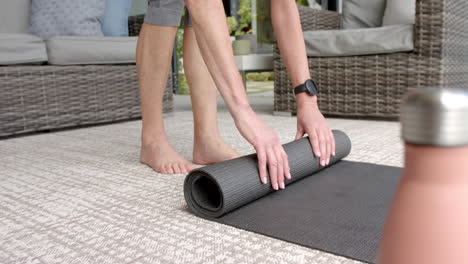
206,138
153,140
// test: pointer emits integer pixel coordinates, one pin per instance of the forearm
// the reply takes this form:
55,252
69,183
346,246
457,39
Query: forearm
209,24
287,26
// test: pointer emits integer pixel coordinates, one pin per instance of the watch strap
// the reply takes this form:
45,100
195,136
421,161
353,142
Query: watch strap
303,88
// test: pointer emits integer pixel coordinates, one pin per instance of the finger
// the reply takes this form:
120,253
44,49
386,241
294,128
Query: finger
314,141
280,160
329,146
299,134
326,146
323,148
287,170
333,143
261,156
272,168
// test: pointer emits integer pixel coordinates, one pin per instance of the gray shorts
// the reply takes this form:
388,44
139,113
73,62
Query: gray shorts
166,13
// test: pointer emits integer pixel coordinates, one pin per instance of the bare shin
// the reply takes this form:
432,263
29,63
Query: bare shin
154,52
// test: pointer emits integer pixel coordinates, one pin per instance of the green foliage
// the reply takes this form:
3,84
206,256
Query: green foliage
264,27
260,76
182,81
302,2
183,85
245,17
232,24
179,45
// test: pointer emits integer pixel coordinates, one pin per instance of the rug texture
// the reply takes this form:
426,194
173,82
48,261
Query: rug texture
81,196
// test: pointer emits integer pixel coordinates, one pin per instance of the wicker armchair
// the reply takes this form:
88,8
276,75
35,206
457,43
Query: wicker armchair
373,86
44,97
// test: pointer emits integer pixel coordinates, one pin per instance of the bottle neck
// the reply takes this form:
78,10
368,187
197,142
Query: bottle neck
439,165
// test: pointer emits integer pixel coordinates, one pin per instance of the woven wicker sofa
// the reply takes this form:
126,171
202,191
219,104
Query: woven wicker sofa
45,97
372,86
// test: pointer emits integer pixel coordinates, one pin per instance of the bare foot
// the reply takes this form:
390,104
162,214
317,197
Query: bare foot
163,158
211,151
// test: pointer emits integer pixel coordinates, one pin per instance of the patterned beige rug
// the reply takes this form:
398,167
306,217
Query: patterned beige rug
80,196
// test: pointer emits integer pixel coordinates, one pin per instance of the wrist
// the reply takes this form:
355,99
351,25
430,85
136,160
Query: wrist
241,112
305,100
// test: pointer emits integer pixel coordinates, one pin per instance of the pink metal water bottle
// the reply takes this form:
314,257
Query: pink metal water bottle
428,220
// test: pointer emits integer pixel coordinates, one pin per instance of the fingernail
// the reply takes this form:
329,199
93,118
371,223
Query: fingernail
282,185
319,154
275,186
289,176
264,180
328,161
322,162
333,153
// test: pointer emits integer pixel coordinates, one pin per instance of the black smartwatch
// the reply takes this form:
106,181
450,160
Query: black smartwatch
309,87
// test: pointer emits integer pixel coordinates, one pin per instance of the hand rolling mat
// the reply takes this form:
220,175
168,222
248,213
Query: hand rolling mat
340,209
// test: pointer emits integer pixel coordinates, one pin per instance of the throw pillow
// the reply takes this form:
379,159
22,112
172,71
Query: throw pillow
400,12
116,17
363,13
14,16
67,17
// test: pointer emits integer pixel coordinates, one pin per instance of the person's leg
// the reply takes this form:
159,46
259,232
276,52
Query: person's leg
154,53
208,146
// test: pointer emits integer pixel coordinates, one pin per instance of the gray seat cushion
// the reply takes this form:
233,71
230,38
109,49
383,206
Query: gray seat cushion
91,50
21,48
364,41
363,13
14,16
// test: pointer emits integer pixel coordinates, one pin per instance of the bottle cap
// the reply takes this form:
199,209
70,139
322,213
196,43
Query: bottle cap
435,116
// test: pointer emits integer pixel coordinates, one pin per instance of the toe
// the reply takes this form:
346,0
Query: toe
175,168
160,169
169,169
182,168
189,167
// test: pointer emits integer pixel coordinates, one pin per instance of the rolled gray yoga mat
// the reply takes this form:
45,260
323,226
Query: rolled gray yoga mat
339,209
215,190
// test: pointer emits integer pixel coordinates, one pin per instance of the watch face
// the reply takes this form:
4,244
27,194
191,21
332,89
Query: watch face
310,87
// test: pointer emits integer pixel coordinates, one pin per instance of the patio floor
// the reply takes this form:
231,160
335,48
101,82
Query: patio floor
81,196
260,98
